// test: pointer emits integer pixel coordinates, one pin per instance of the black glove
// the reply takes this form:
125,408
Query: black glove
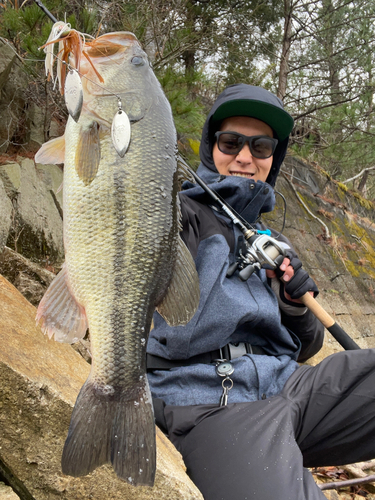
300,283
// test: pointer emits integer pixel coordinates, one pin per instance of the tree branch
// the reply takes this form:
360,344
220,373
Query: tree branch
327,235
358,175
316,108
350,482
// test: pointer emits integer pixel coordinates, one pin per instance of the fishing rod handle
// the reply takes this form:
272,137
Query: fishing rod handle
336,331
318,311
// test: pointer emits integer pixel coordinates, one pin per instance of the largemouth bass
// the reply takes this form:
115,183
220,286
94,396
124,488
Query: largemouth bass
124,255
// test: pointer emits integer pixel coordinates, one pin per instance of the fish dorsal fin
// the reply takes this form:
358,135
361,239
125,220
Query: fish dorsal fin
52,152
181,301
88,153
59,312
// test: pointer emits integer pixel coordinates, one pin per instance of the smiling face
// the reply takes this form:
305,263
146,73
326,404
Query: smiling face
243,164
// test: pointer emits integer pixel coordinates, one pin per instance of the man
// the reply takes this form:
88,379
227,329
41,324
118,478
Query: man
227,386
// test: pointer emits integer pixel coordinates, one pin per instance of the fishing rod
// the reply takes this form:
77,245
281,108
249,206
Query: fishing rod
263,249
260,247
45,10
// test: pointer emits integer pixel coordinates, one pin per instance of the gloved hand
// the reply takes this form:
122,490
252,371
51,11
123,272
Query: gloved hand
289,282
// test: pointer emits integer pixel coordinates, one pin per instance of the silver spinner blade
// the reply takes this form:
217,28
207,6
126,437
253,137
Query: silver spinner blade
73,94
121,132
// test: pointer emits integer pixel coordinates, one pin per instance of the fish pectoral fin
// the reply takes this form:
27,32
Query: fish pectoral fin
52,152
87,157
59,312
109,424
182,298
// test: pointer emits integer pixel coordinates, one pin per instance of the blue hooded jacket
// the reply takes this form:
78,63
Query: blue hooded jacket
230,310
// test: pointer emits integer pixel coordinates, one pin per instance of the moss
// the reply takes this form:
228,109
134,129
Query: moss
308,202
341,195
350,224
353,268
337,226
326,174
365,250
342,187
369,205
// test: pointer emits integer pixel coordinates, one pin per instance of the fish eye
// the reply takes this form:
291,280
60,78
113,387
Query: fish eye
138,61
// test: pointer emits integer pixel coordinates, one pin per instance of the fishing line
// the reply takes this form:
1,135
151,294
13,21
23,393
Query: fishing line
284,215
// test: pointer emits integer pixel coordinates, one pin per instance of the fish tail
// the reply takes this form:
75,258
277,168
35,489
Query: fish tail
109,425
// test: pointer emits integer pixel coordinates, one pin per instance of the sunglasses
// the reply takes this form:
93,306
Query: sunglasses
231,143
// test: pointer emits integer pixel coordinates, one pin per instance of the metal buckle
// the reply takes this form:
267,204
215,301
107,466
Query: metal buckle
239,349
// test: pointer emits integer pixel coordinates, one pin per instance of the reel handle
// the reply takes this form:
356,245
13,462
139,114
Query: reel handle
248,271
232,269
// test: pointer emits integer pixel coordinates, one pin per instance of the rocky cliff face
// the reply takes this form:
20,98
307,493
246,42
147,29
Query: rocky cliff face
333,231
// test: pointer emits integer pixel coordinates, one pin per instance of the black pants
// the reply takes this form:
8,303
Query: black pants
324,416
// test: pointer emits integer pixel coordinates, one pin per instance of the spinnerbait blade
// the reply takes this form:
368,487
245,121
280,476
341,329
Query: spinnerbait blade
73,94
121,132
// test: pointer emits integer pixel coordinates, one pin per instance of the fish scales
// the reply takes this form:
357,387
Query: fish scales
123,252
102,235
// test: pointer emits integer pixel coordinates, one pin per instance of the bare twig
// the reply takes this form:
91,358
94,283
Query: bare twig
350,482
358,175
327,233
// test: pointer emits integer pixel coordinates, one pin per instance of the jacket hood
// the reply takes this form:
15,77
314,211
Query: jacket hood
256,102
247,197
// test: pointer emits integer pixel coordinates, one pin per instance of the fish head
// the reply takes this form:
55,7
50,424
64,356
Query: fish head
114,65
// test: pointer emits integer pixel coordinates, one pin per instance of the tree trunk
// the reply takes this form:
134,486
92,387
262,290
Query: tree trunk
188,55
189,60
285,51
362,184
332,64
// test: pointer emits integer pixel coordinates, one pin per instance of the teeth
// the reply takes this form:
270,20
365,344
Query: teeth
237,174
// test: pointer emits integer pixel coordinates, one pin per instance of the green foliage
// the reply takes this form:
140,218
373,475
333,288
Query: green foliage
199,47
28,28
188,111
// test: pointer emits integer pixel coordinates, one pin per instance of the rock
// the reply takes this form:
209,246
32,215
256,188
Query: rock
56,128
29,278
52,176
346,288
331,494
352,496
39,382
6,493
6,211
13,81
36,230
36,126
10,174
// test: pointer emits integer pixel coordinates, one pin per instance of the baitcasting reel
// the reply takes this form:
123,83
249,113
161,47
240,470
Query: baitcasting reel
258,249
